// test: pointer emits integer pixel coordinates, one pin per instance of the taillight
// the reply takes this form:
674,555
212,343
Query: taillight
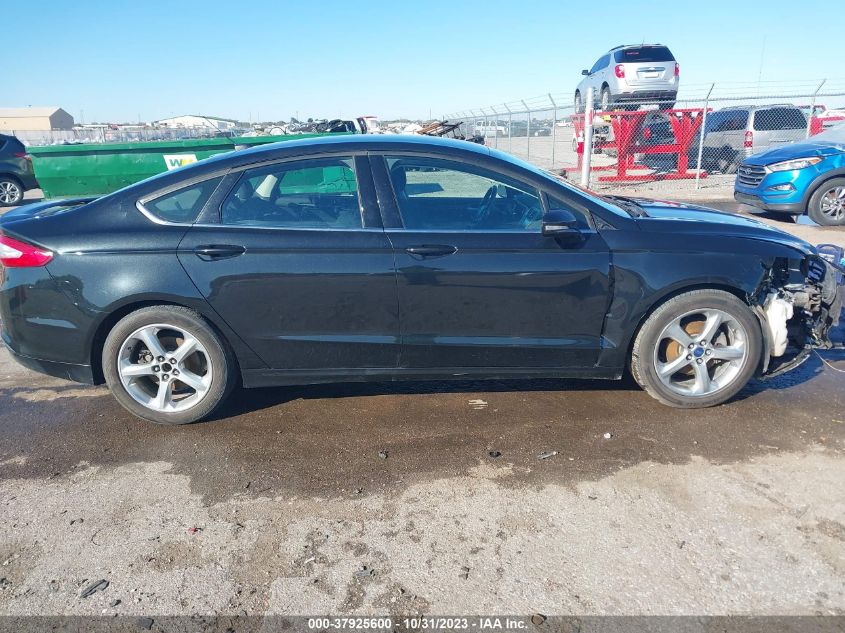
749,139
15,254
620,71
23,155
677,69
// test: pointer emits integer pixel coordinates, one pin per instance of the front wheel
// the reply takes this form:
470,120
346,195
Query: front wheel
827,204
697,350
167,365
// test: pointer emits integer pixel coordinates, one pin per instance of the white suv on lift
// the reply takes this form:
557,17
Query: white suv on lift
629,76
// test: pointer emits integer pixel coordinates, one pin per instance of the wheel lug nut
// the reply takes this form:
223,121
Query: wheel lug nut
689,356
165,377
160,359
156,368
699,361
709,351
691,345
175,372
703,343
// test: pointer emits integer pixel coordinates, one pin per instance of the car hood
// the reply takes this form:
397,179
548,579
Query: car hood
692,219
796,150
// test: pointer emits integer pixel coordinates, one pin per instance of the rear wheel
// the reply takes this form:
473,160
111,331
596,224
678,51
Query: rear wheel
604,99
167,365
697,350
827,204
11,191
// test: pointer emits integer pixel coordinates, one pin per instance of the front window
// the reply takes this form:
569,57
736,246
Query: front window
442,195
311,194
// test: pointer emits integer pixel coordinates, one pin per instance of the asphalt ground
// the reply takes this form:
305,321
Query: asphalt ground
429,498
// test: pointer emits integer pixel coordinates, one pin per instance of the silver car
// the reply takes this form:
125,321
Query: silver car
731,134
629,76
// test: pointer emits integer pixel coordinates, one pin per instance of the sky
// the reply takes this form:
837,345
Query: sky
259,60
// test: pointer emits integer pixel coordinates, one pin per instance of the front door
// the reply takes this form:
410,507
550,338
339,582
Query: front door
479,285
298,269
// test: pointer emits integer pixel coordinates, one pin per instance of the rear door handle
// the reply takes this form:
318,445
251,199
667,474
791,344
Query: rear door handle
213,252
431,250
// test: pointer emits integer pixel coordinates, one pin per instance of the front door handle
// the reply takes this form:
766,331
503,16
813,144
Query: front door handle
213,252
431,250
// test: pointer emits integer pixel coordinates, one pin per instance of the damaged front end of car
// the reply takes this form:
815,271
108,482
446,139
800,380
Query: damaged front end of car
798,303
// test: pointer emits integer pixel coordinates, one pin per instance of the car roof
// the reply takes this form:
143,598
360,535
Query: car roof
351,143
624,46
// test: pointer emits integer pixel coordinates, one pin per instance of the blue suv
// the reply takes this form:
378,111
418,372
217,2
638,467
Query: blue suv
806,177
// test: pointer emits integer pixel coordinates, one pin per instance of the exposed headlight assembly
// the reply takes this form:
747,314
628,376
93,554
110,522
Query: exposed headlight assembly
795,163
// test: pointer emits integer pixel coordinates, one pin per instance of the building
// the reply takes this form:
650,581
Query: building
198,120
47,118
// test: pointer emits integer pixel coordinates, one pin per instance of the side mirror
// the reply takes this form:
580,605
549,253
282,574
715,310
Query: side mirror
560,222
585,72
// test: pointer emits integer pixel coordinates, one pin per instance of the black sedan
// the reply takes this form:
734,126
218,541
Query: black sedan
395,258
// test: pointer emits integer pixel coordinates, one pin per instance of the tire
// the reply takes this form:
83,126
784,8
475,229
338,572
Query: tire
727,166
11,191
579,103
737,338
152,389
827,204
604,99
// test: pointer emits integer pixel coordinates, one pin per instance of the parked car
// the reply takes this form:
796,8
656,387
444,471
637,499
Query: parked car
631,75
373,257
730,134
806,177
16,174
489,128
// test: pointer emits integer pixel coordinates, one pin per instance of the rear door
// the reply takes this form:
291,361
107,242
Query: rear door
646,65
297,263
479,285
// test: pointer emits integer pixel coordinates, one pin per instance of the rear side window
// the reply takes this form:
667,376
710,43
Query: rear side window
601,63
727,121
310,194
779,119
644,54
183,205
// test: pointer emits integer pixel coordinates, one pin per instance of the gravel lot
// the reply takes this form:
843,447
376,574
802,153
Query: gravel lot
284,505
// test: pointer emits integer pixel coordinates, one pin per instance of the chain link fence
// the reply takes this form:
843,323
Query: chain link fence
695,143
110,135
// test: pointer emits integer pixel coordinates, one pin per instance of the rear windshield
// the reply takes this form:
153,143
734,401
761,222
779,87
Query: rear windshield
779,119
644,54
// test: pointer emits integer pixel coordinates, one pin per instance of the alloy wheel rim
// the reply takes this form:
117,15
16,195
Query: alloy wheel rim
165,368
9,192
701,352
833,203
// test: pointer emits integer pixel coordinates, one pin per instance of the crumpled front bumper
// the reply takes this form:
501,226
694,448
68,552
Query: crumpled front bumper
816,309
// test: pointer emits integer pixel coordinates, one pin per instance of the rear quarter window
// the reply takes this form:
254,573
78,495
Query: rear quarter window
644,54
183,205
779,119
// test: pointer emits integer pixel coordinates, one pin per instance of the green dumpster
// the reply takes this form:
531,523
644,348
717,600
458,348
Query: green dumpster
100,168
